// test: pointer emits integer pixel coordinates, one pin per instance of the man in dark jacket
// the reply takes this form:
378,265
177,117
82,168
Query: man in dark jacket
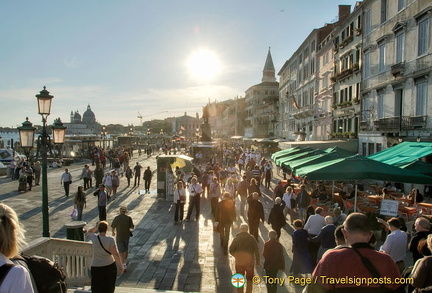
255,214
245,250
147,179
225,215
274,260
422,227
303,201
242,190
276,217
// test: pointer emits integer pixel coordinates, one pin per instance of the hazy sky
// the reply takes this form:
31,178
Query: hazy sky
126,56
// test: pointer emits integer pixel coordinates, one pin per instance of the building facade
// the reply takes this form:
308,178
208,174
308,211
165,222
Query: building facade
397,64
261,104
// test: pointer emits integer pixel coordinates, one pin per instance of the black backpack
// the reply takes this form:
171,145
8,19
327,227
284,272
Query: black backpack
47,275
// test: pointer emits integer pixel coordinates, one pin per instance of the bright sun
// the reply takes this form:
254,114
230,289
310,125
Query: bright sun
203,65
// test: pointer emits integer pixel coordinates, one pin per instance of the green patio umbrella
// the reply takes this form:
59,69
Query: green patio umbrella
359,168
286,156
278,154
317,159
286,160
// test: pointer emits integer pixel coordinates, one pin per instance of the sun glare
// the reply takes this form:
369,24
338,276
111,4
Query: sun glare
203,65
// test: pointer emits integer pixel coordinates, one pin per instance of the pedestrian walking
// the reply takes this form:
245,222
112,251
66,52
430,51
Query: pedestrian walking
137,171
107,182
302,202
195,191
268,173
128,174
225,216
66,180
242,191
104,260
80,202
102,197
244,248
115,180
29,176
302,260
274,260
255,214
147,179
37,172
290,203
98,174
215,194
276,217
179,199
122,227
85,176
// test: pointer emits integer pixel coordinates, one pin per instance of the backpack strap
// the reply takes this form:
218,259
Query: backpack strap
102,245
4,270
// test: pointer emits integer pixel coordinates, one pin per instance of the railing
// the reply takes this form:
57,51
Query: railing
74,257
400,123
398,69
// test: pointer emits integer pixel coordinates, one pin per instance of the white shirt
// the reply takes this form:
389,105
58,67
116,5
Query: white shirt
396,244
17,280
314,224
194,189
287,199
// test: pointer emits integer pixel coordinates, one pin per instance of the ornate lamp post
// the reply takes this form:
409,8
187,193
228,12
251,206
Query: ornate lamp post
59,133
27,134
103,134
44,144
148,136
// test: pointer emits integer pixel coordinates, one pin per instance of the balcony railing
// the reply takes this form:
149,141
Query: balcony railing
400,123
74,257
304,112
398,69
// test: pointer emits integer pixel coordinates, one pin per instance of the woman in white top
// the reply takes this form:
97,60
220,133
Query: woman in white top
107,181
11,238
179,199
105,258
289,199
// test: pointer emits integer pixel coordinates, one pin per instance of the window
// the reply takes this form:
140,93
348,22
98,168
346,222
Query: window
381,64
367,21
371,148
421,96
401,4
367,64
380,105
383,10
423,35
400,39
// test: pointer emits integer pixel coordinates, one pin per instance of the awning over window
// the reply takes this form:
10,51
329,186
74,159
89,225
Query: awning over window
403,153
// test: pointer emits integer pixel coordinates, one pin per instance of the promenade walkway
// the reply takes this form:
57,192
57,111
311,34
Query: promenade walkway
163,256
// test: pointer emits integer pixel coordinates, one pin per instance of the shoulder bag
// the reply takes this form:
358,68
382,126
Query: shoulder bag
103,246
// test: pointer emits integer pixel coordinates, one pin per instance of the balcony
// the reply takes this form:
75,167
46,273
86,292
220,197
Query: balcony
398,70
400,123
304,112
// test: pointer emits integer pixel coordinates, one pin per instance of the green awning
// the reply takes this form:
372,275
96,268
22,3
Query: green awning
403,153
359,168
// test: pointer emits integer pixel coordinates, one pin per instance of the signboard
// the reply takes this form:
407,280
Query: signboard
389,207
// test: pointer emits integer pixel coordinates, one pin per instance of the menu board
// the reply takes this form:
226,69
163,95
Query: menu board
389,207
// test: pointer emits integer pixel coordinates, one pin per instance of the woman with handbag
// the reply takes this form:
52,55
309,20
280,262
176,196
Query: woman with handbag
104,260
179,199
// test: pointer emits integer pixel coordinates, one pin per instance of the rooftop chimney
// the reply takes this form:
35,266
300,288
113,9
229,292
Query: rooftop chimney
344,12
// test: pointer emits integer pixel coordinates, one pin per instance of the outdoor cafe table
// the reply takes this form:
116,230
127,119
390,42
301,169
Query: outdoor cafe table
426,207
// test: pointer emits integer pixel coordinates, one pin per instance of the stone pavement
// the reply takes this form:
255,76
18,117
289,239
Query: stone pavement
163,256
185,257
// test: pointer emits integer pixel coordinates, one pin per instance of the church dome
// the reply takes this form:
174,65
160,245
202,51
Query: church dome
77,117
88,116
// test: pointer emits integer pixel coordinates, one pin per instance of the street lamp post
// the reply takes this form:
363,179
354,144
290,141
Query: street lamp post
27,134
103,133
44,143
59,133
197,134
148,136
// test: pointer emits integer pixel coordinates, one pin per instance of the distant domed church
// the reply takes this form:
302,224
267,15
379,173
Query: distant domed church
85,124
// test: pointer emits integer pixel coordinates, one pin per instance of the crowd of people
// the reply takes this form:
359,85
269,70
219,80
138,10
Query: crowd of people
235,185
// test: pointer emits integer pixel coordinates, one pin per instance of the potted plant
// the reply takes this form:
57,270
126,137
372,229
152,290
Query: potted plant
358,31
334,106
356,101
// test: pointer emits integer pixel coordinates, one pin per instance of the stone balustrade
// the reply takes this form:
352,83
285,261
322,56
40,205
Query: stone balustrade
74,257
